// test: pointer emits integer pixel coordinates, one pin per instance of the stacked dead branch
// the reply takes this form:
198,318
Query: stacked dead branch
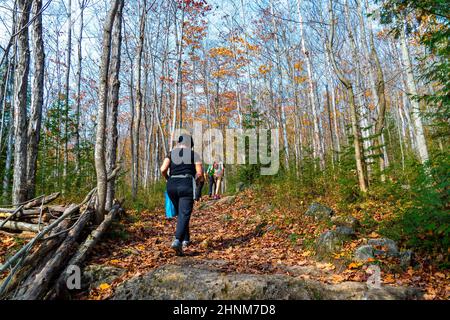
63,238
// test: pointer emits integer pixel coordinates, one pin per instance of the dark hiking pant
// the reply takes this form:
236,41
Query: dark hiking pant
198,190
212,185
181,193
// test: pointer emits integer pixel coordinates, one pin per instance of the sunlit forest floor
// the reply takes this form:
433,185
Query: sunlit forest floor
251,233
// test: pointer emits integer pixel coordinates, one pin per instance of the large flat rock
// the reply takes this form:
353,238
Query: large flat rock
181,282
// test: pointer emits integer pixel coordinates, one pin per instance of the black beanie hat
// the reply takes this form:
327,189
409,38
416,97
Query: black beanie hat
186,139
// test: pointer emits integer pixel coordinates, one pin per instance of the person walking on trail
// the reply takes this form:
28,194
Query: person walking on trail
215,173
219,172
211,178
182,169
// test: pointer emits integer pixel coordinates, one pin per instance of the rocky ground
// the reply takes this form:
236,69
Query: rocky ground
247,249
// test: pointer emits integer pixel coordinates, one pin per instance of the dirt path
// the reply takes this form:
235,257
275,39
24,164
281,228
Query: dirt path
230,233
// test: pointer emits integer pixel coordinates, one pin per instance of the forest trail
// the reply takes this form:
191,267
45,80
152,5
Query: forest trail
229,235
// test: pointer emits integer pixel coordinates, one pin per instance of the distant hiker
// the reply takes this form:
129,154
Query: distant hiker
182,169
219,173
211,178
215,173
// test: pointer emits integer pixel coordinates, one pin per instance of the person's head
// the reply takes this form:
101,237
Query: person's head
186,140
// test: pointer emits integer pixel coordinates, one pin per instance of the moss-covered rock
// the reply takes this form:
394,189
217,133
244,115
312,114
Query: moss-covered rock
319,212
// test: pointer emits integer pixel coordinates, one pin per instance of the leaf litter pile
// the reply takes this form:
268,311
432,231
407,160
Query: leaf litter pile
245,235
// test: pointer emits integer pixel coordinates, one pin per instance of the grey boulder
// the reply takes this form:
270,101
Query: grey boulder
319,211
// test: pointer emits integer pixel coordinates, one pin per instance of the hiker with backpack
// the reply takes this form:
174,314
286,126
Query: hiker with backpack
215,173
211,178
219,173
183,170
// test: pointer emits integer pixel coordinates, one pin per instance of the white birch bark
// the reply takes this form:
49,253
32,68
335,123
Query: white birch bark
422,148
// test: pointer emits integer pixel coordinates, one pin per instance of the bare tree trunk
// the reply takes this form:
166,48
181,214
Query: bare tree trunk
78,107
337,151
178,80
100,164
317,147
422,148
34,125
330,127
67,92
20,105
378,89
138,110
360,165
113,105
280,89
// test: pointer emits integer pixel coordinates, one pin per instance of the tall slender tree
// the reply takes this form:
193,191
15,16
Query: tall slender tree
19,193
99,155
34,124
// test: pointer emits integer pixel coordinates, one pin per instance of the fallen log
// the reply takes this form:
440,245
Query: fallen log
41,201
15,213
22,226
25,211
37,285
36,258
85,248
55,210
69,211
37,278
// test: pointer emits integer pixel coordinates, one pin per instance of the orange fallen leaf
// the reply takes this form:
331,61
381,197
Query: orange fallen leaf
104,286
389,278
354,265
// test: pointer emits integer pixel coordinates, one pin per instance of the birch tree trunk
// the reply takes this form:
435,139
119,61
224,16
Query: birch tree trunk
79,75
34,125
280,89
317,147
362,111
99,154
19,193
67,92
422,148
178,78
360,165
337,151
138,110
377,84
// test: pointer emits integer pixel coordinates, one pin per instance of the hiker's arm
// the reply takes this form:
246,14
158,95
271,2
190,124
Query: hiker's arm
199,172
165,168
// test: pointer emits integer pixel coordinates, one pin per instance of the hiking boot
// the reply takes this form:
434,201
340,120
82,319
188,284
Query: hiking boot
184,244
178,247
